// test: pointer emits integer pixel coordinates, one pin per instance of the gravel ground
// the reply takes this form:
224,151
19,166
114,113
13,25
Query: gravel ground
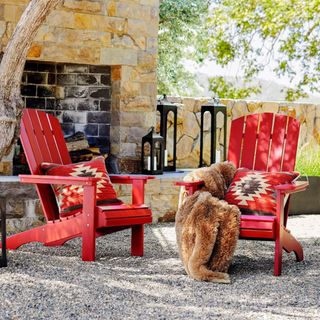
53,283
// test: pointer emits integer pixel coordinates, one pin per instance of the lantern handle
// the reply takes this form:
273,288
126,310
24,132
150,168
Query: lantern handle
216,100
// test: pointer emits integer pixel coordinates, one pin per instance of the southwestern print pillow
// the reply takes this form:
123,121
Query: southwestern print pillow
70,197
254,191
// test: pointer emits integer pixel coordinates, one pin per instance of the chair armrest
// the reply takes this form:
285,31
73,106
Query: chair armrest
128,179
190,187
137,182
68,180
292,187
189,184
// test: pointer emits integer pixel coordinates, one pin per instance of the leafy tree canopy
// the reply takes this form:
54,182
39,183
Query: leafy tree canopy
180,38
251,33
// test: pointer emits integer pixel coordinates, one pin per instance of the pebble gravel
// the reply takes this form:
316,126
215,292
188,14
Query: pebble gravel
53,283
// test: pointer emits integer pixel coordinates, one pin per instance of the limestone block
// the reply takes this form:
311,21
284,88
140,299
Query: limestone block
147,62
12,12
153,187
133,10
270,107
135,134
122,41
190,124
152,45
127,149
180,115
316,135
150,2
118,56
292,112
61,18
253,106
161,204
206,120
87,6
131,89
184,147
303,136
112,8
192,161
61,53
2,28
85,21
149,76
170,140
220,120
239,109
137,103
188,104
149,89
142,27
198,103
19,225
137,119
82,37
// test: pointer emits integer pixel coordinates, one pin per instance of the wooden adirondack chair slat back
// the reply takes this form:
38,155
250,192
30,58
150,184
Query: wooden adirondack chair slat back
265,142
42,140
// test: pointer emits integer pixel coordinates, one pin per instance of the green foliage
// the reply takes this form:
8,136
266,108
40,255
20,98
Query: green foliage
257,31
308,161
224,89
180,37
248,32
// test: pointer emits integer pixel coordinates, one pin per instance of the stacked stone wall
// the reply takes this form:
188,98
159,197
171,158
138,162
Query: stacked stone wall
188,145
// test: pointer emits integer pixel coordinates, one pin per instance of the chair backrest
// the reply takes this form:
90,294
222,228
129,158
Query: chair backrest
42,140
265,142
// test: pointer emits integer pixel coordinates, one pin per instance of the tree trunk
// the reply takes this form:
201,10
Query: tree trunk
11,70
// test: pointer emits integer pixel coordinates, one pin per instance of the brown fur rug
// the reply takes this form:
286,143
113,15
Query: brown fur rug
207,228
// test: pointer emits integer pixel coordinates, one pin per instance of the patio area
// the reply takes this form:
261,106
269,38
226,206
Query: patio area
53,283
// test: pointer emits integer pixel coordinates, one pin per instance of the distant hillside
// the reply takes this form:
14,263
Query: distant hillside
270,90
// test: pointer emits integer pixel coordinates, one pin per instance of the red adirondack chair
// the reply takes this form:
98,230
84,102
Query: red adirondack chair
266,142
43,141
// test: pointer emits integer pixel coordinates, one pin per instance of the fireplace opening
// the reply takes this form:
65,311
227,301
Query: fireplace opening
79,96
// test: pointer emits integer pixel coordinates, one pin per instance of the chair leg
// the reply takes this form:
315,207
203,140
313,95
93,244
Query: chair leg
89,221
279,234
137,240
88,245
278,257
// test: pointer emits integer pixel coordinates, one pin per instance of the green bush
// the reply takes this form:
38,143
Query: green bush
308,161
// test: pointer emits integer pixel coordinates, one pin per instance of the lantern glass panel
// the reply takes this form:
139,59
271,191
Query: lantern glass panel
147,156
207,138
220,132
158,152
169,151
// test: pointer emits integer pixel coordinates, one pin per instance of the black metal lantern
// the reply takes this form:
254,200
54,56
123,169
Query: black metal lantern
214,107
3,259
164,107
152,153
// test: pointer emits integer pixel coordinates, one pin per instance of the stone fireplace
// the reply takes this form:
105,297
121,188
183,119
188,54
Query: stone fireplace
93,65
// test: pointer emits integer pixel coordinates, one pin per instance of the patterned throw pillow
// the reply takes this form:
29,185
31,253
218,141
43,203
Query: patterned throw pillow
70,198
253,191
